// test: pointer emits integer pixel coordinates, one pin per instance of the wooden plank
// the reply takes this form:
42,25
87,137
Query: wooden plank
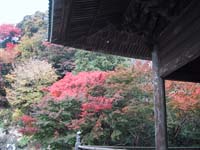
180,45
65,18
159,105
107,42
184,55
189,32
178,25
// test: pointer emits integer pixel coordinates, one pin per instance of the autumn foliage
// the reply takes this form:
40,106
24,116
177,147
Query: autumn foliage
8,30
29,125
9,36
184,96
109,104
76,85
108,107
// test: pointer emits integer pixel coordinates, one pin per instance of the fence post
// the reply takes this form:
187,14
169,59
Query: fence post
78,140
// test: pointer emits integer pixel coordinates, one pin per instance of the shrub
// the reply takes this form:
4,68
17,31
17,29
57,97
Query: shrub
27,79
23,142
8,30
108,102
8,56
61,58
29,47
5,117
183,113
114,108
129,121
16,115
53,119
28,125
91,61
77,85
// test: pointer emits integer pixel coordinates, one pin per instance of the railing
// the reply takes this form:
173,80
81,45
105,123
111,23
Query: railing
78,146
82,147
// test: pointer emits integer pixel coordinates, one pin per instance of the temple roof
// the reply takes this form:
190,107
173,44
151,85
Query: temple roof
121,27
132,28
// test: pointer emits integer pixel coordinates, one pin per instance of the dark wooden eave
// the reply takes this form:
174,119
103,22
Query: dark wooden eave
130,28
121,27
180,46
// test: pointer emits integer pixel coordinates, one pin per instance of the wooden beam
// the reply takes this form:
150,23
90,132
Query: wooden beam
184,76
107,41
179,43
159,105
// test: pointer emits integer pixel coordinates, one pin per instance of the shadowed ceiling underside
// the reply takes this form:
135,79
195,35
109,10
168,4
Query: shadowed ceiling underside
121,27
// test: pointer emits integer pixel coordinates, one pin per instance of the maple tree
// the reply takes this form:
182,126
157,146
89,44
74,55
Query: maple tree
53,118
108,106
76,85
183,112
9,30
8,39
184,96
100,94
29,125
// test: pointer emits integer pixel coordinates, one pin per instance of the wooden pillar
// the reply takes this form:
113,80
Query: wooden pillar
159,104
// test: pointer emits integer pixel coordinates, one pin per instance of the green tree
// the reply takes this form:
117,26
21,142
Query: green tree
34,29
52,119
61,58
34,24
27,80
130,121
90,61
